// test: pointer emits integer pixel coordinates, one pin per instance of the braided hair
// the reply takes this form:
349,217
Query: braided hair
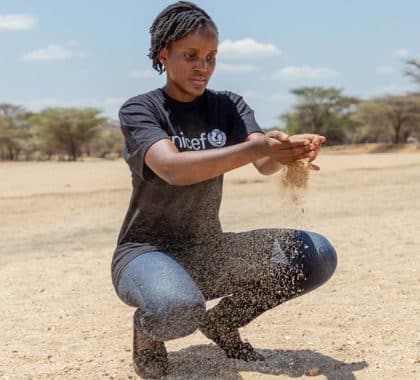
173,23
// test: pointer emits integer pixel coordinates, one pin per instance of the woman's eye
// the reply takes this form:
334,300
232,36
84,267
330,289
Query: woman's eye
211,58
190,57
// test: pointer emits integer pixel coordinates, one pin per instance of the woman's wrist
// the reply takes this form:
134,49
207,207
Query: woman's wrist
260,146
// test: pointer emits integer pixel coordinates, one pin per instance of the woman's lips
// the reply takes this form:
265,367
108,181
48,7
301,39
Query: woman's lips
199,81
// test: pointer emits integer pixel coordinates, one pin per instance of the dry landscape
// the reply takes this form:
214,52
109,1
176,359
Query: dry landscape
60,317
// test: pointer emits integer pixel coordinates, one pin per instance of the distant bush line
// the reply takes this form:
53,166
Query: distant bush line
72,133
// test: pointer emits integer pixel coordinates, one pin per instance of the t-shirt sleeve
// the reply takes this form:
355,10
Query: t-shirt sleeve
242,119
141,129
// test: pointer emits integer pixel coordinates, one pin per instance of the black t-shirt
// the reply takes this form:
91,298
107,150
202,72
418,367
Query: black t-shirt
162,216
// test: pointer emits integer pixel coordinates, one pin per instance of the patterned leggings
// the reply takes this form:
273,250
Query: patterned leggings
253,271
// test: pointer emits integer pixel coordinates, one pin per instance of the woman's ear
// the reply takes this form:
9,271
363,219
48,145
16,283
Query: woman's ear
163,55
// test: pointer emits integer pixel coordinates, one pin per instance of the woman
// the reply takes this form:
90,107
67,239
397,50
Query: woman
172,254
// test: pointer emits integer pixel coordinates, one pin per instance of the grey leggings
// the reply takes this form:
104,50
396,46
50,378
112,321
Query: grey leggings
253,271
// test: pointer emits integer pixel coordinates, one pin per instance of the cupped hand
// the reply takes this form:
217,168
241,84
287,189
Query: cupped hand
315,139
286,150
312,137
280,136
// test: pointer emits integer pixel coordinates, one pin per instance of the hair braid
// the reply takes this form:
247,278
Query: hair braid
173,23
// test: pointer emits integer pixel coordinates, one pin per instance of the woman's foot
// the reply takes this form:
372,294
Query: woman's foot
231,343
150,358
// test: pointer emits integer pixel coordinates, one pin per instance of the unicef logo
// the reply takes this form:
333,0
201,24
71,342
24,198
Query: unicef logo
217,138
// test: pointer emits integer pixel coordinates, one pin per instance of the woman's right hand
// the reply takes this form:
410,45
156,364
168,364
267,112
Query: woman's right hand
284,150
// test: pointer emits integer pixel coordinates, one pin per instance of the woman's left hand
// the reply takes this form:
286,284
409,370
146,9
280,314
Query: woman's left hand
315,139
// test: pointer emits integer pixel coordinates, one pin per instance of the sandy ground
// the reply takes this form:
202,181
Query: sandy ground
60,317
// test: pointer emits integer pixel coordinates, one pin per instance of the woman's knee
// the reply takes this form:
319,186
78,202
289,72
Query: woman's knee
171,318
169,303
319,260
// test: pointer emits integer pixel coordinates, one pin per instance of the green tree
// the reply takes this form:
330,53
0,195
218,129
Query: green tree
389,118
324,111
67,131
109,142
9,142
14,131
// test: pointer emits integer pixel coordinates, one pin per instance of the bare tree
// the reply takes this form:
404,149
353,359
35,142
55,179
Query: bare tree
413,70
390,117
109,142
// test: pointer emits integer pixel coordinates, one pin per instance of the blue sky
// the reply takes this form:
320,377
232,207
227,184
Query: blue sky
94,53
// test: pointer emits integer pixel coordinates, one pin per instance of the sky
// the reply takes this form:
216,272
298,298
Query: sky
94,53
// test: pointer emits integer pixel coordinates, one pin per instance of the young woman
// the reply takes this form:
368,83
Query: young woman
172,254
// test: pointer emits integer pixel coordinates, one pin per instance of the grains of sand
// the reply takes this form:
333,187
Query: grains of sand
294,179
296,176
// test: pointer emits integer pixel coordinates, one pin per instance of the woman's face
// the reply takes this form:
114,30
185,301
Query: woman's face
189,63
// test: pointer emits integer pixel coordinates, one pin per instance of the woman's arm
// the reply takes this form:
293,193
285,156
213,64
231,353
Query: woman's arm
267,165
186,168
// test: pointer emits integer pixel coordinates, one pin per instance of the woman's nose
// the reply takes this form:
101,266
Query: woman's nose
202,65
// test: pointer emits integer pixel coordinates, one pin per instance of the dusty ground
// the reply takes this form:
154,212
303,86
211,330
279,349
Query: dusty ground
60,318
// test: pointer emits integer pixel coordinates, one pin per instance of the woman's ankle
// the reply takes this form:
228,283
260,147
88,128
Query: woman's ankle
143,341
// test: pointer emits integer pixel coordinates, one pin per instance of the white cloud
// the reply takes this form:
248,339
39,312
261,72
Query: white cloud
304,72
235,68
385,70
56,53
17,22
51,53
142,74
401,53
247,48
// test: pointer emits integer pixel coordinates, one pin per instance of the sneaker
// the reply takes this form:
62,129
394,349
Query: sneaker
232,344
151,362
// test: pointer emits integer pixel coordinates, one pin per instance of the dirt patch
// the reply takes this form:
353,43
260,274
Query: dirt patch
61,318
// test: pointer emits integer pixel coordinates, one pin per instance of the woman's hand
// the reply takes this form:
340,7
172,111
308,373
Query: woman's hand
287,150
315,139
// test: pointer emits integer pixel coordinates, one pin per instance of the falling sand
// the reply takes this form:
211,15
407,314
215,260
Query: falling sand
294,179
